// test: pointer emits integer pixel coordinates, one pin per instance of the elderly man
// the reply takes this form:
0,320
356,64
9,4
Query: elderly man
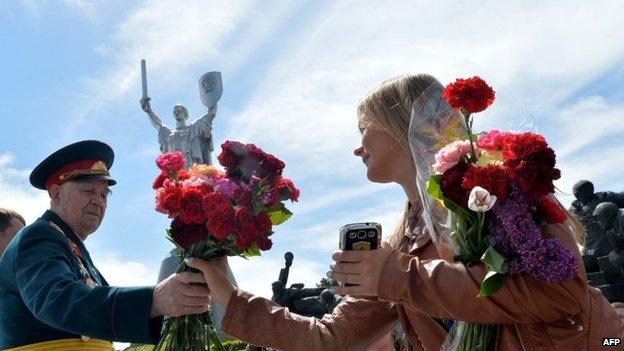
51,295
10,223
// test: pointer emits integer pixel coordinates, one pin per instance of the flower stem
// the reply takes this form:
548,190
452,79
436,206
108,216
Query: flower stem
468,127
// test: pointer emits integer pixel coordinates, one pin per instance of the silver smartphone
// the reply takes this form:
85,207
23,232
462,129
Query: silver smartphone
360,236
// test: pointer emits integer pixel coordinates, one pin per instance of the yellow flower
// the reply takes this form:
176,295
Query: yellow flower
207,170
489,158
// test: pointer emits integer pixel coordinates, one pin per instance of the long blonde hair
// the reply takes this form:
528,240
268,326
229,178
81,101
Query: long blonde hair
388,107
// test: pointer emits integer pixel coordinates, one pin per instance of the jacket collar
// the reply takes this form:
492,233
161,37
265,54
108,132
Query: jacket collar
50,216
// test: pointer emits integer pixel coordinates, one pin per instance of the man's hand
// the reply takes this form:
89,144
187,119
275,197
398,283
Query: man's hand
145,104
180,294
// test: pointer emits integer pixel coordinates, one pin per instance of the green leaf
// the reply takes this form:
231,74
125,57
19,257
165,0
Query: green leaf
492,282
494,260
433,186
252,251
279,215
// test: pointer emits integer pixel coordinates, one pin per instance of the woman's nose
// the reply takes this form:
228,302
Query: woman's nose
358,151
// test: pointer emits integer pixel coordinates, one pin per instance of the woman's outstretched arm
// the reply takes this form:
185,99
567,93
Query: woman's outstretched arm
353,325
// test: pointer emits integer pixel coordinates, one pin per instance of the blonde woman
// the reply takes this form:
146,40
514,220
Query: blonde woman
407,281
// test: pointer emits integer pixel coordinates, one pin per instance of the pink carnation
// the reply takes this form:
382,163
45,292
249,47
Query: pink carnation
170,161
449,155
200,181
493,140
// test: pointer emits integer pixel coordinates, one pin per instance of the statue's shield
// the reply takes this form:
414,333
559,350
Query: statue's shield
210,88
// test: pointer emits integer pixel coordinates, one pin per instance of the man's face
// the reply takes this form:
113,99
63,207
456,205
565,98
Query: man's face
7,235
82,205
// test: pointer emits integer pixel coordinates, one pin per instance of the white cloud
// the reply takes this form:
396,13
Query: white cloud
120,272
586,122
16,192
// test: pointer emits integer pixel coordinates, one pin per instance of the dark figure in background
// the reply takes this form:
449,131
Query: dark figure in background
316,306
610,276
597,243
611,219
310,302
11,222
291,297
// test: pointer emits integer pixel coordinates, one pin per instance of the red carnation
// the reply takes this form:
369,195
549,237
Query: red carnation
255,152
264,243
215,201
271,167
263,223
160,179
472,94
531,164
551,211
169,199
491,178
183,174
231,154
451,185
191,210
247,232
170,161
221,222
287,189
523,145
185,234
493,140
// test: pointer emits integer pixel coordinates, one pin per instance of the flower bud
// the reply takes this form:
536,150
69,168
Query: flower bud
480,200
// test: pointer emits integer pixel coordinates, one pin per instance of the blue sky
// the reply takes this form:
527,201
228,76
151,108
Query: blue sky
293,73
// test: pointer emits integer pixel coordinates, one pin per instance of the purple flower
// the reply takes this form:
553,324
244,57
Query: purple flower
517,237
226,186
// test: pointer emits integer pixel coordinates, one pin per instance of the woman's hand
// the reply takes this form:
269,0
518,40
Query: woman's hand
362,268
216,276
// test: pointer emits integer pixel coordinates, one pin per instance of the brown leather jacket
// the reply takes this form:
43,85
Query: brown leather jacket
413,286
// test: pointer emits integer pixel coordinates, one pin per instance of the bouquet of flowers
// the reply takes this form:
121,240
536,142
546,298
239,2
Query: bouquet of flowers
219,213
496,188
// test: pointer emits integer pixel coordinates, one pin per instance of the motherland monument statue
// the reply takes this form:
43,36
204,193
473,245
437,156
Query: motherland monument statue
193,140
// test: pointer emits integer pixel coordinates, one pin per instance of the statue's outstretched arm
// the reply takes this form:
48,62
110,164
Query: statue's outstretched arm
208,117
147,107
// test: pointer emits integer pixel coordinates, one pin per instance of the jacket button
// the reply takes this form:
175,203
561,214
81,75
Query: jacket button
579,328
